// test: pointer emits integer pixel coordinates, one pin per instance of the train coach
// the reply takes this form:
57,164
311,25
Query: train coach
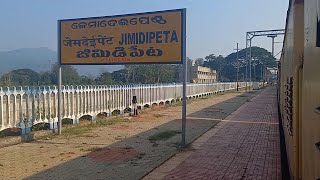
299,89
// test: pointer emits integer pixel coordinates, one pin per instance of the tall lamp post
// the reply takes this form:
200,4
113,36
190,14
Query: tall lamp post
273,36
237,65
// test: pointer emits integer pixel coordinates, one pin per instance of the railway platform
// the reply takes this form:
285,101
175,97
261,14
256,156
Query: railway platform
245,145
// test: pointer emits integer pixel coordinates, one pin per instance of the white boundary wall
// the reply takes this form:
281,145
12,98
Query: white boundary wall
25,107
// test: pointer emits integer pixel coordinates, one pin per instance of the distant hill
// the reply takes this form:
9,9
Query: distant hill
20,77
40,60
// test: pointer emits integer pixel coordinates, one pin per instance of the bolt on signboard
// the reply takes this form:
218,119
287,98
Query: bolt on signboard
143,38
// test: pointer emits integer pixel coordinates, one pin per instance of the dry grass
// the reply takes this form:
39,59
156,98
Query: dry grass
78,130
158,115
94,149
162,136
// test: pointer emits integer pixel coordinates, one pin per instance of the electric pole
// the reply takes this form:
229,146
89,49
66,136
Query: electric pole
237,66
272,37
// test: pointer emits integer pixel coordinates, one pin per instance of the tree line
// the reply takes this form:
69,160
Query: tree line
131,74
228,66
145,74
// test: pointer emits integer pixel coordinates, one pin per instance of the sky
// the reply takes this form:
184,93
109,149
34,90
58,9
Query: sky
213,26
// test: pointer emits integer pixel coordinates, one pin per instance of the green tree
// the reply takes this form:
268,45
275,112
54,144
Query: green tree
45,78
261,58
104,79
20,77
85,80
146,74
217,63
199,62
119,77
227,67
70,75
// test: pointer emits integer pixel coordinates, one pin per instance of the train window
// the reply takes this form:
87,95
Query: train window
318,27
318,110
318,145
318,32
289,105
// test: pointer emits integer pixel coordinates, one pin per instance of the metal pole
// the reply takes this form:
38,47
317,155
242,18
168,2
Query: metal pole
184,103
246,70
184,88
59,84
237,66
261,79
59,100
273,46
246,75
254,72
247,58
265,74
250,59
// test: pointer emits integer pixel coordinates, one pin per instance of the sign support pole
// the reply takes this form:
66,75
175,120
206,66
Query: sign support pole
59,80
238,66
59,100
184,87
184,104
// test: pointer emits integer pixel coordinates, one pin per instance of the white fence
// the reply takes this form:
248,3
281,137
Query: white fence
25,107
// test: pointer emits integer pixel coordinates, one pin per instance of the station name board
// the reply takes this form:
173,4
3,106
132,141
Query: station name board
154,37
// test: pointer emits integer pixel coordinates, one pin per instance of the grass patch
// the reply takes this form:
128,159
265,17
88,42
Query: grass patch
40,127
67,121
10,132
50,136
252,92
2,134
162,136
82,129
158,115
180,103
110,121
243,95
186,148
89,136
76,130
94,149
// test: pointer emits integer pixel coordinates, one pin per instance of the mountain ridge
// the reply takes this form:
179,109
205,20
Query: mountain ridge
41,59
